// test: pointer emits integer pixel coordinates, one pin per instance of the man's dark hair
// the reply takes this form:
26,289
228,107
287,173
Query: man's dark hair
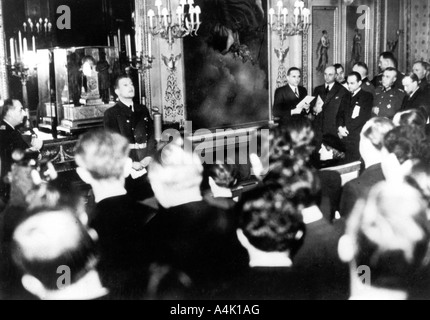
414,117
338,66
123,76
407,143
389,56
362,65
293,69
356,75
7,106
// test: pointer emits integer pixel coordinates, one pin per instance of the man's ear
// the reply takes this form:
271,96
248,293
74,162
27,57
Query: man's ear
84,175
34,286
345,249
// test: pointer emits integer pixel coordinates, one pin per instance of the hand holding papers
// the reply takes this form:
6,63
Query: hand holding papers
303,105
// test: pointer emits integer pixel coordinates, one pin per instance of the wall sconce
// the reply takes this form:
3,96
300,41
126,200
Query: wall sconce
278,20
187,21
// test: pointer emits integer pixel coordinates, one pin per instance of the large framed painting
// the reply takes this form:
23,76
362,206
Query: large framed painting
226,65
324,41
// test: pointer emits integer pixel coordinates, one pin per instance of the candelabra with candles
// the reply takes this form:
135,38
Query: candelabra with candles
278,20
186,23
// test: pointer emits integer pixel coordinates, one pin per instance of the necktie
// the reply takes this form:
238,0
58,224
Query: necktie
327,89
297,93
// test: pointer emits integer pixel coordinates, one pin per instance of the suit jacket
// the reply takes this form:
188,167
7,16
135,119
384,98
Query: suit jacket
359,188
420,100
10,140
286,100
325,122
136,126
363,100
368,86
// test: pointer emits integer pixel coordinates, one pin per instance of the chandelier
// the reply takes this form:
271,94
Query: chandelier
186,20
285,24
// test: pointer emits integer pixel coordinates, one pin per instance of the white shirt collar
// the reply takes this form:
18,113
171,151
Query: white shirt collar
312,214
357,91
414,92
330,86
9,124
294,88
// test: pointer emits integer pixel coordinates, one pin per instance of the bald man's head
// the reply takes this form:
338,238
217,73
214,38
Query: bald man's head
330,75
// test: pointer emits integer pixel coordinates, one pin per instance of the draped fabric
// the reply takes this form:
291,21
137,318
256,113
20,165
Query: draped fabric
420,30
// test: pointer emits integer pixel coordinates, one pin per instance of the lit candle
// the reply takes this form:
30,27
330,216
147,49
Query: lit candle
40,21
198,11
296,15
191,12
12,51
279,5
130,53
49,26
157,127
108,41
285,14
296,4
306,14
190,2
34,44
158,4
271,14
25,46
46,27
165,14
25,27
119,40
38,27
301,4
149,45
20,43
151,15
115,42
179,15
31,25
183,3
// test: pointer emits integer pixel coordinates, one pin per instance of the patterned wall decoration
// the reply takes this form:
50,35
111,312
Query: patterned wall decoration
281,54
174,109
420,31
4,88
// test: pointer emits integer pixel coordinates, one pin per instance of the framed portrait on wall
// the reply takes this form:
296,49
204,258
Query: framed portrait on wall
226,65
324,41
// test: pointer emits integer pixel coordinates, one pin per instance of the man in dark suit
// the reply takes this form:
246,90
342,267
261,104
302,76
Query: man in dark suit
371,145
421,69
340,75
354,112
387,59
417,98
288,97
134,122
363,70
11,139
331,94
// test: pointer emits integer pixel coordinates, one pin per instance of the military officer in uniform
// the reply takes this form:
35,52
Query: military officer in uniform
134,122
388,99
11,139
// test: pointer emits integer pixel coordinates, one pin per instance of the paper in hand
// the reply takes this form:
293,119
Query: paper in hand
305,101
137,174
356,112
319,104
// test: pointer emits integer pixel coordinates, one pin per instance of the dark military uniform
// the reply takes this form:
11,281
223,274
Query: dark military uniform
377,80
136,126
10,140
388,102
368,86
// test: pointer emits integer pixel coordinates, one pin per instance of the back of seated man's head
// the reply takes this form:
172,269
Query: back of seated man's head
411,117
175,169
389,234
407,143
49,242
103,154
270,220
374,132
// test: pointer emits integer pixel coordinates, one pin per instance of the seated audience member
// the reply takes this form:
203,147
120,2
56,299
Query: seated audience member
403,147
416,97
371,148
11,139
331,153
218,181
388,100
388,60
386,243
363,70
57,256
188,233
355,111
271,229
103,163
411,117
421,69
